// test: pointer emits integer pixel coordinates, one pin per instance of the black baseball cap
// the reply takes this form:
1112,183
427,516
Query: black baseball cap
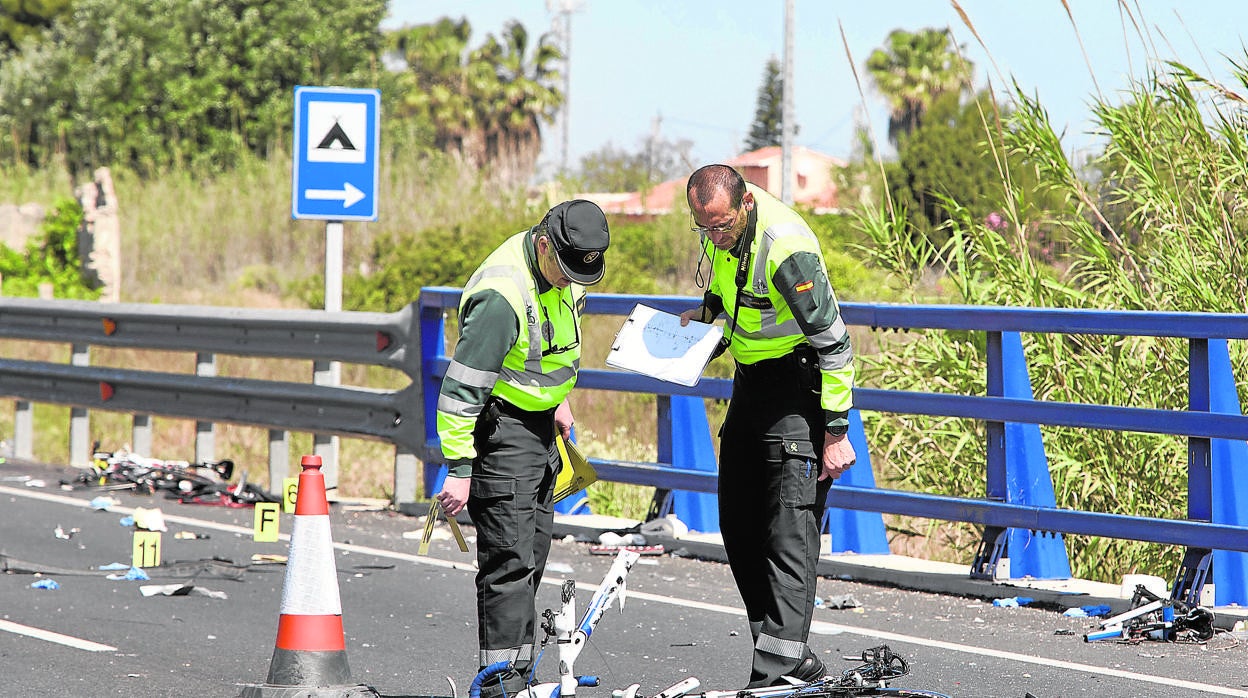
578,230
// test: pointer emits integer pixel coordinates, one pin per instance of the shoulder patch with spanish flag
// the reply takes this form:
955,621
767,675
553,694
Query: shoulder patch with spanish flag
804,286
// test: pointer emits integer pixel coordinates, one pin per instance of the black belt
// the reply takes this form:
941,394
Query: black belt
802,357
511,410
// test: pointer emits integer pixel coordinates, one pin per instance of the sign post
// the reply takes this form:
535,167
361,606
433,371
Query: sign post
334,178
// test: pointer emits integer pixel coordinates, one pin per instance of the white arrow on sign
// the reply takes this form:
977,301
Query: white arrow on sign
349,194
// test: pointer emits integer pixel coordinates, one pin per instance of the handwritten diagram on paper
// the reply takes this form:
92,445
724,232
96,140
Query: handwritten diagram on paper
652,342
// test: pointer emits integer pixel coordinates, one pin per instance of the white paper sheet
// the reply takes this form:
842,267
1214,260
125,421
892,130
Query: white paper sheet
653,343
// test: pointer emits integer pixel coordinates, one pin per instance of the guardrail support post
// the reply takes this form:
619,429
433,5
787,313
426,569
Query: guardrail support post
327,445
691,449
1035,554
79,419
661,504
205,449
406,478
279,460
141,435
407,465
853,531
991,548
1189,582
1228,489
24,430
432,346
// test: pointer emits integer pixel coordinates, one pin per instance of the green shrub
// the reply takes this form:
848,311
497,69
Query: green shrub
52,258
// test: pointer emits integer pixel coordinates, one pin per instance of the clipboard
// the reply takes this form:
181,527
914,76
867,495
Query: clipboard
430,520
576,473
653,343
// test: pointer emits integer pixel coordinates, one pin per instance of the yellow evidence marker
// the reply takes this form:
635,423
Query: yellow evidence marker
430,520
576,473
267,522
145,551
290,490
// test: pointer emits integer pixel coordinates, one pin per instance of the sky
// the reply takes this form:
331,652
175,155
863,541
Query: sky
691,69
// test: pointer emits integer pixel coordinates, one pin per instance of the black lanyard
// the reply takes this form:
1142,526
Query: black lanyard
743,269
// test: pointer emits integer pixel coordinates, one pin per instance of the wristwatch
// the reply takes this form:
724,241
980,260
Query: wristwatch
838,431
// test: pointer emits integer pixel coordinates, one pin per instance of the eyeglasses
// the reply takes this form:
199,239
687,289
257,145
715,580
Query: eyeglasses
716,229
548,330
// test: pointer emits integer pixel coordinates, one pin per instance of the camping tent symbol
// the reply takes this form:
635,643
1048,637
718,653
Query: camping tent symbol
336,136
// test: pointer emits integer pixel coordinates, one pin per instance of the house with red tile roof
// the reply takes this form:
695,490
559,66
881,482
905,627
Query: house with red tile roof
813,184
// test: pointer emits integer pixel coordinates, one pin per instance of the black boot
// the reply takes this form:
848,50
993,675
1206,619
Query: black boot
809,669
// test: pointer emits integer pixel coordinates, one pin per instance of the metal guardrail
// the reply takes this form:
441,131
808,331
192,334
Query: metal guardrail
1198,534
381,339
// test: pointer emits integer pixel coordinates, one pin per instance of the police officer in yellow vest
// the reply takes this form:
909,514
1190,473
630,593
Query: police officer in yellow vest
784,438
501,402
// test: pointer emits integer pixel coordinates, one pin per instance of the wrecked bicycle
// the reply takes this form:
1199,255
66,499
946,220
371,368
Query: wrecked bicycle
876,668
191,483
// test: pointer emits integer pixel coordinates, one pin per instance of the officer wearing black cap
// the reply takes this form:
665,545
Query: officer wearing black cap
501,402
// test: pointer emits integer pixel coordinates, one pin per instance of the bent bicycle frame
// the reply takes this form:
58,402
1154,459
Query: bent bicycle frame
570,638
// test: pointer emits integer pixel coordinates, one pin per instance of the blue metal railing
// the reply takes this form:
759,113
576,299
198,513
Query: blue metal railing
1199,532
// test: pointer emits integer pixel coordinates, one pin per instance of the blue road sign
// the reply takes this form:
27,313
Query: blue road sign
335,159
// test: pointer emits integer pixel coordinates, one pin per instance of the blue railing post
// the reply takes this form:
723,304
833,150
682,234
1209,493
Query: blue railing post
1199,483
1018,473
1194,571
1229,488
995,538
995,483
856,531
1035,554
691,448
432,347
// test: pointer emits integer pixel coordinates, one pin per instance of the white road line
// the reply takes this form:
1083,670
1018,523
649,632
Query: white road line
69,641
817,627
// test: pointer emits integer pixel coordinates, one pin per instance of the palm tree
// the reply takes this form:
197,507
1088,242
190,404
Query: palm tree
436,80
485,106
912,70
522,95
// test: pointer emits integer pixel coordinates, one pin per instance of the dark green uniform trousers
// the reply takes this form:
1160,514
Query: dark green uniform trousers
771,503
510,505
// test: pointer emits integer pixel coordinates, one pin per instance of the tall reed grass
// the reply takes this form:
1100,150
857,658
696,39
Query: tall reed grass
1157,223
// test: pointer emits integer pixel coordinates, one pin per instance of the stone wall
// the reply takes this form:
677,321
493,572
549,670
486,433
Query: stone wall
18,223
99,241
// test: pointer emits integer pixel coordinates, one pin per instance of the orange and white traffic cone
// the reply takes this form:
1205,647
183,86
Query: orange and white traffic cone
310,657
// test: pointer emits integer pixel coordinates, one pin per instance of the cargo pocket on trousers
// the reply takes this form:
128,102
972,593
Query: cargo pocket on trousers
799,471
496,521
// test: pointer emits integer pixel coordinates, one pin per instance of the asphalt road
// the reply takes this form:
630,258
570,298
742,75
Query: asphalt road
410,620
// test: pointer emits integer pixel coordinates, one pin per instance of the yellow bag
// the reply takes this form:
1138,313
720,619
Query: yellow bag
576,473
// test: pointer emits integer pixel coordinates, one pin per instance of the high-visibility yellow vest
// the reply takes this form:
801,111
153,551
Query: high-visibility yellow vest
540,368
762,330
764,326
530,380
